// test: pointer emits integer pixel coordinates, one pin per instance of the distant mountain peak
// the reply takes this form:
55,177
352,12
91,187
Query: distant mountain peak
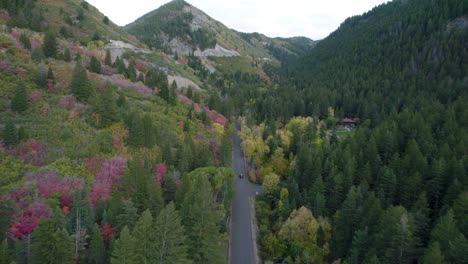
179,27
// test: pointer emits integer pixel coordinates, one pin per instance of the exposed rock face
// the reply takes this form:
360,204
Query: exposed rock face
218,51
179,46
183,82
200,19
117,48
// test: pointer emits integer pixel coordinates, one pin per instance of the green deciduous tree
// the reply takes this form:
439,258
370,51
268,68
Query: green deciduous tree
270,183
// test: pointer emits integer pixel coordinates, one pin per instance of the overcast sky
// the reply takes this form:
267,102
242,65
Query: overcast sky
275,18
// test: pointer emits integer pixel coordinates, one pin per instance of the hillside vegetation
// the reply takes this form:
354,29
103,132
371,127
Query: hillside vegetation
100,155
115,148
394,189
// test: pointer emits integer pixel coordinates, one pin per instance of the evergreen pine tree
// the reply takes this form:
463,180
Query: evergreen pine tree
200,219
95,65
121,67
453,243
124,249
131,72
136,137
50,45
80,85
96,251
128,215
170,245
81,219
144,238
10,134
460,210
4,254
169,188
433,255
225,149
108,59
67,55
149,131
106,107
173,94
20,100
51,245
50,74
164,90
24,39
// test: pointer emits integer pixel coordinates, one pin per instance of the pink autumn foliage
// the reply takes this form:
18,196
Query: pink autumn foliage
92,53
32,152
4,65
215,116
161,171
26,216
111,172
77,50
27,219
117,143
36,96
4,15
139,65
15,34
35,44
21,72
68,102
183,61
50,86
124,83
107,233
48,184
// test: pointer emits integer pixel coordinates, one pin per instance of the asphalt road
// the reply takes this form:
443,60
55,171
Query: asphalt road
243,242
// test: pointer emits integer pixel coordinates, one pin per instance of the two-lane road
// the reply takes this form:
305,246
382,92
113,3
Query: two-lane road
243,241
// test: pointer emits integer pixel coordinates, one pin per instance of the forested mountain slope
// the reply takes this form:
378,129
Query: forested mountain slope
398,55
73,19
102,157
394,188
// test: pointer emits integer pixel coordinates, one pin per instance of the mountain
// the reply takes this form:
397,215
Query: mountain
179,27
374,167
382,60
97,135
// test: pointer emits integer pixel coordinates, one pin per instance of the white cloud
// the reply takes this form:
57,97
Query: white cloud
275,18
